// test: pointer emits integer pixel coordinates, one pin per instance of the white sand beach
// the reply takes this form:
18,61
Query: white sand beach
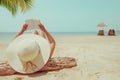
98,58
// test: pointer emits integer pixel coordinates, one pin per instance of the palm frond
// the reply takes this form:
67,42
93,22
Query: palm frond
13,5
28,5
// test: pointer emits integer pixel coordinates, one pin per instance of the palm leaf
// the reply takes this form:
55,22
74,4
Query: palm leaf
26,5
13,5
22,5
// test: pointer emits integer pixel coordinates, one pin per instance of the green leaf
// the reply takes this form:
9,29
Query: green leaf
13,5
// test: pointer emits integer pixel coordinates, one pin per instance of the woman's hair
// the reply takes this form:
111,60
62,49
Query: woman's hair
35,32
38,32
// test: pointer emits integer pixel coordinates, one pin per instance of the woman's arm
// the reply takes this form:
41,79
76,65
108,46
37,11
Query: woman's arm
22,30
50,39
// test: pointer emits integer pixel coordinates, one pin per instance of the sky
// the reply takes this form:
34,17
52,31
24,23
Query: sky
65,15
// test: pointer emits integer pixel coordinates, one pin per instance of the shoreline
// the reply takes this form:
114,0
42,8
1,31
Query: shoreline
57,34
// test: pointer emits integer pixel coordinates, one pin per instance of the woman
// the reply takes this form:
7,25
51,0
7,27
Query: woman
35,24
30,25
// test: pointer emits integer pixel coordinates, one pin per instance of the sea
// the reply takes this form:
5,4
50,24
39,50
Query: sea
10,35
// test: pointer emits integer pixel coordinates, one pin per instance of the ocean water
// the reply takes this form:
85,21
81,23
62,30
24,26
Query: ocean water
11,35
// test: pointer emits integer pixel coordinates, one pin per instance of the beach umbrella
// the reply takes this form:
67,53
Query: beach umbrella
103,25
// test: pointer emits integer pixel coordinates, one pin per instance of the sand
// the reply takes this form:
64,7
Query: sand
98,58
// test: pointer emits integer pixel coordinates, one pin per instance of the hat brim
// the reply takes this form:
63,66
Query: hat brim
37,63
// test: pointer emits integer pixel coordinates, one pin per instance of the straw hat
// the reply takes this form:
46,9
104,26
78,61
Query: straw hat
28,53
